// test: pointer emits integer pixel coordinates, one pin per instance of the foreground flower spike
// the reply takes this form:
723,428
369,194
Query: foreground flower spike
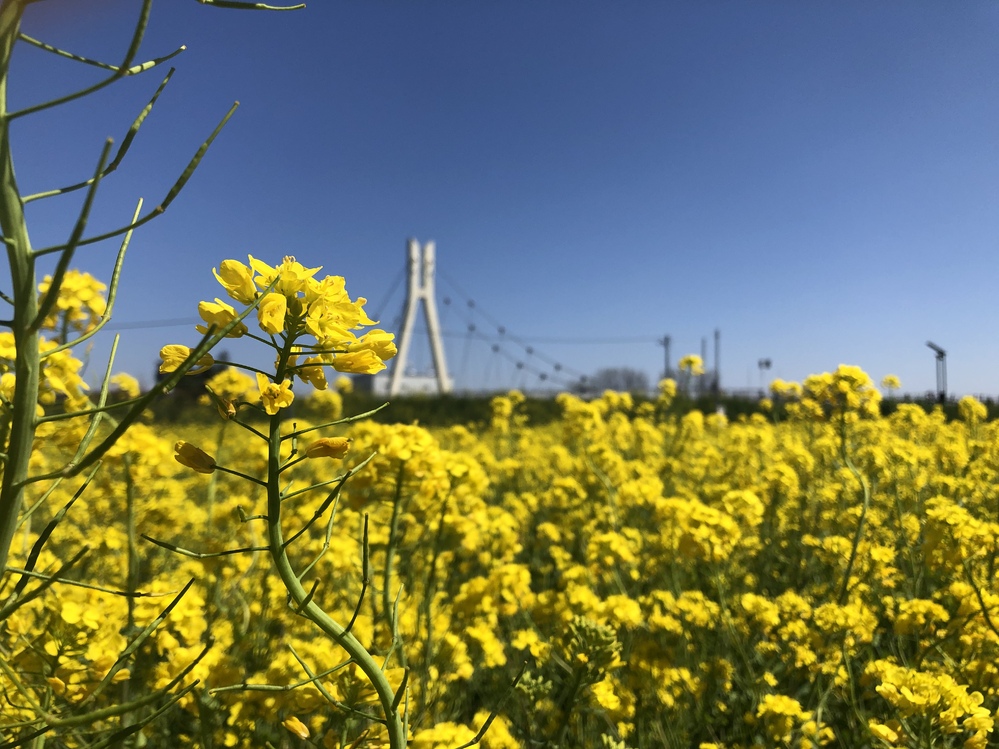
193,457
295,304
173,355
328,447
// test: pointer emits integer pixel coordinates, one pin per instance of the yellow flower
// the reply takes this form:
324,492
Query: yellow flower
377,341
219,314
328,447
128,385
231,384
7,384
783,389
692,363
237,280
295,726
358,362
225,406
882,731
293,277
971,410
193,457
80,303
848,390
891,382
312,372
271,312
274,396
667,389
173,355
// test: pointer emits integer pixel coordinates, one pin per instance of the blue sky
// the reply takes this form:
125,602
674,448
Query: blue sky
818,181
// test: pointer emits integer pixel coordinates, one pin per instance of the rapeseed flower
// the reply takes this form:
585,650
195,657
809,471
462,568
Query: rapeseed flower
365,361
194,457
174,355
692,364
312,372
218,314
271,312
328,447
237,280
126,384
891,382
80,303
274,396
296,727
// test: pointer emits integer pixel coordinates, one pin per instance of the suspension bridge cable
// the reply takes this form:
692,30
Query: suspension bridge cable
396,283
504,334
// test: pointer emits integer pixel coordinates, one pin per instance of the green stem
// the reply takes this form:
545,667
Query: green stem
390,547
304,603
861,522
22,271
132,575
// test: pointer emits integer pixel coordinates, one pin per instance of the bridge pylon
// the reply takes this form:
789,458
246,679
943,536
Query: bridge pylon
421,264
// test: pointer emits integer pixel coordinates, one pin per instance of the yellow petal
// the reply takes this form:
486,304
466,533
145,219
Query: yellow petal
295,726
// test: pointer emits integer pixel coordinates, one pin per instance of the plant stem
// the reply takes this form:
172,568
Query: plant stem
390,547
301,597
22,272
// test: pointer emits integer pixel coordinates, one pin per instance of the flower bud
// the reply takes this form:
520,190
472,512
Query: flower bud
328,447
295,726
226,408
219,314
173,355
193,457
237,280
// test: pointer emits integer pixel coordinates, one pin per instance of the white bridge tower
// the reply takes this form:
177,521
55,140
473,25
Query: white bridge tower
420,288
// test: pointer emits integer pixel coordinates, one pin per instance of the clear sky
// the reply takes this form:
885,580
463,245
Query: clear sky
817,180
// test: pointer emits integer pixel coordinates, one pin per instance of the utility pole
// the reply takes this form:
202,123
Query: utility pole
941,372
702,386
665,343
716,380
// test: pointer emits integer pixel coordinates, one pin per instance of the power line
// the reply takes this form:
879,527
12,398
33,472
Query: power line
175,322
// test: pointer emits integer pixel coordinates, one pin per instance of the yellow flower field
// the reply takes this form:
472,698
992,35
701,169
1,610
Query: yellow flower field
629,576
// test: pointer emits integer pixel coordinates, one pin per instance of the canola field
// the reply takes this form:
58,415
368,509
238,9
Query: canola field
277,574
629,576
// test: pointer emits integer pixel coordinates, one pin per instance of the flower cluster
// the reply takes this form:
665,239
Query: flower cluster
312,323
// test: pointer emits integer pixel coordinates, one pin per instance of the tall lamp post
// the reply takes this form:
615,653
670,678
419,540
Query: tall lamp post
941,371
763,364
